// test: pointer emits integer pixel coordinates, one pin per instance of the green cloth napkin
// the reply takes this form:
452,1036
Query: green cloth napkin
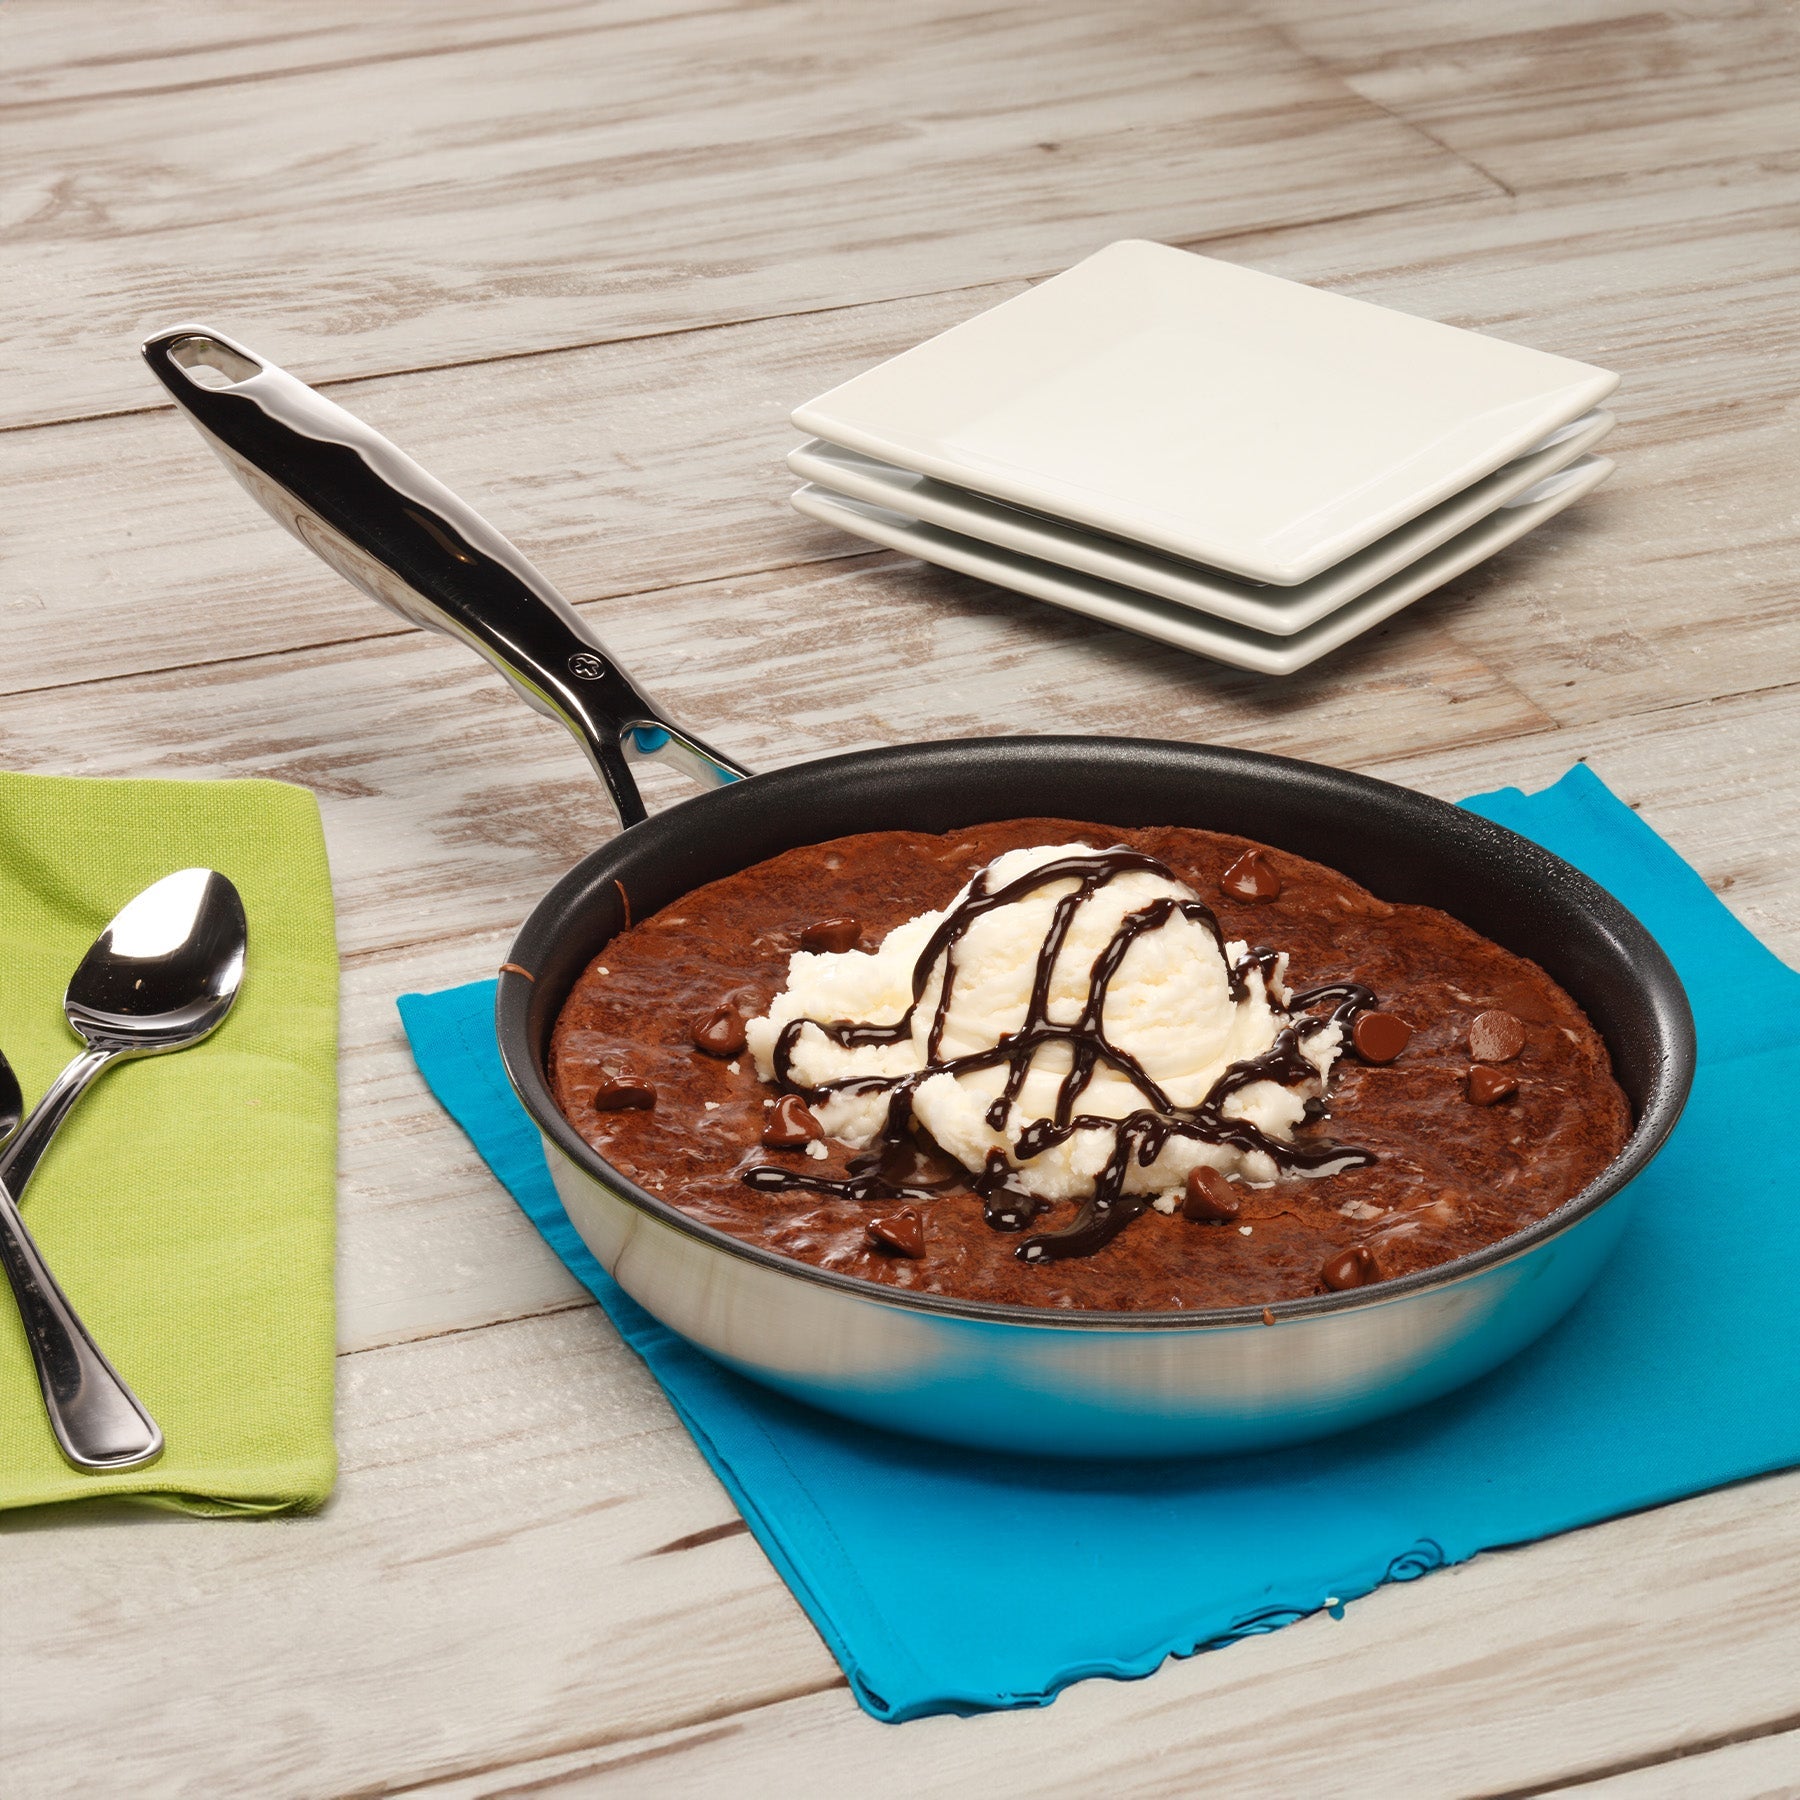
188,1207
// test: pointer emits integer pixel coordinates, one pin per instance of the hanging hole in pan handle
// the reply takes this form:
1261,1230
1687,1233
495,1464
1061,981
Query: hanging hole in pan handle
210,364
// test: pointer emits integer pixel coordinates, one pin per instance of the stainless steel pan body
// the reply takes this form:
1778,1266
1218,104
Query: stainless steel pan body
1091,1384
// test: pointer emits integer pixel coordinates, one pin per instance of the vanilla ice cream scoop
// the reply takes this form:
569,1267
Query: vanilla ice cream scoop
1072,1026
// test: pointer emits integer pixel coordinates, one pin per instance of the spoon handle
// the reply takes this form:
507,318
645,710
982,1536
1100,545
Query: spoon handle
98,1421
26,1149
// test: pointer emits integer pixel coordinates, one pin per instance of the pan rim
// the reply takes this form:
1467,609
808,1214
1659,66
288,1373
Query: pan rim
1657,1118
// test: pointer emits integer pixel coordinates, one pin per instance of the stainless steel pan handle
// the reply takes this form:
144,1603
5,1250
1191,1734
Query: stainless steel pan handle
386,526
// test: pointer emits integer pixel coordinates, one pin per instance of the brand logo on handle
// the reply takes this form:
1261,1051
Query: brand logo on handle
587,666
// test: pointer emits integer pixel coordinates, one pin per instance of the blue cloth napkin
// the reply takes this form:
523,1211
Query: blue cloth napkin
948,1581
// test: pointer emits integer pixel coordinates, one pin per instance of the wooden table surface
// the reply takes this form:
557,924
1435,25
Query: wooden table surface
580,257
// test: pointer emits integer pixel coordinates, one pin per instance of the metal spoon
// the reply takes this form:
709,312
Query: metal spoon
159,978
99,1422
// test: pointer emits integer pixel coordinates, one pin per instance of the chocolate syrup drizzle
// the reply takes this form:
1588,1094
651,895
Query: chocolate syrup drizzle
1141,1133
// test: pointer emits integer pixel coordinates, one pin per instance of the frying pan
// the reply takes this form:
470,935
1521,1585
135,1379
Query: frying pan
996,1376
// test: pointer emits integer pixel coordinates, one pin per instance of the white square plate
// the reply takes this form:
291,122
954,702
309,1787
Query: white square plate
1214,413
1181,625
1281,611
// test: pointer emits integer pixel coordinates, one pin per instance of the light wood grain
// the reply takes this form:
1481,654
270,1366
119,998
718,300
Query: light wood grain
1552,90
1760,1768
470,190
499,1573
1668,1627
613,183
470,805
189,46
440,1693
428,1241
633,466
622,469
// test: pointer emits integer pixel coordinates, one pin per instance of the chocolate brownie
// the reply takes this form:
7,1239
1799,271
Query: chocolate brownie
1475,1093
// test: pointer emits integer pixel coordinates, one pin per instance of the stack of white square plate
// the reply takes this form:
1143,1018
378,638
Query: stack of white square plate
1239,465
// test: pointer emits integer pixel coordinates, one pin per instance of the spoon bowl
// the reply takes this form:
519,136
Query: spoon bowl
165,972
159,978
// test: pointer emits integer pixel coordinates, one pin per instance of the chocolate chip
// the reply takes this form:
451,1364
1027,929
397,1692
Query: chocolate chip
623,1093
1487,1086
1251,877
1209,1198
831,934
1379,1037
720,1032
1352,1268
901,1230
790,1124
1495,1037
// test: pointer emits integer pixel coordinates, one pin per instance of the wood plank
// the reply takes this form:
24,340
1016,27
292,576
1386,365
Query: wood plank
1518,1670
1553,90
620,469
450,807
635,466
617,183
428,1241
633,171
530,1620
187,46
1761,1768
499,1574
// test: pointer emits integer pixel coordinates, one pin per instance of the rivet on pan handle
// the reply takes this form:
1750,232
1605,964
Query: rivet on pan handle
387,527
